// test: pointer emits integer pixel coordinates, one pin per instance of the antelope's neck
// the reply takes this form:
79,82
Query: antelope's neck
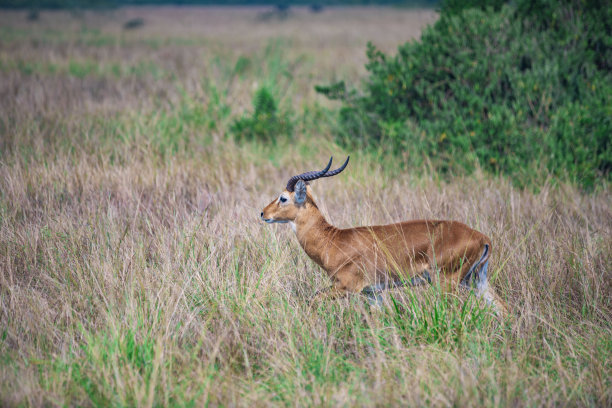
314,234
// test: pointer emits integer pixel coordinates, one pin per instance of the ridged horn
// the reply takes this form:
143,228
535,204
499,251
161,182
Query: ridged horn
338,170
308,176
313,175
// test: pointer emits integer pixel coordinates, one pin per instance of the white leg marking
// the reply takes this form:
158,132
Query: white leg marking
486,294
482,287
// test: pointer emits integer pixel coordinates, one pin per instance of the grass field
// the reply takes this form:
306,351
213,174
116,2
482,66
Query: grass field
135,270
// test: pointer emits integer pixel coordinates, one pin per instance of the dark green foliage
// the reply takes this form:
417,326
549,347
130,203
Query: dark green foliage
316,7
266,122
516,90
243,64
457,6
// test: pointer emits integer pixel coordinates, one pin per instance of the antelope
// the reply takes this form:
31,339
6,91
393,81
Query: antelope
371,259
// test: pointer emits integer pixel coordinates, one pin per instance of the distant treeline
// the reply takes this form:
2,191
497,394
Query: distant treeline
97,4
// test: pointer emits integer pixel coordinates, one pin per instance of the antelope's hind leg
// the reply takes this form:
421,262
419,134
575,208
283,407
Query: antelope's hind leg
485,291
477,278
372,294
330,293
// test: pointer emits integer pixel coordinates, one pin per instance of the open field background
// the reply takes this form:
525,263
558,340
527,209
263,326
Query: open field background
135,271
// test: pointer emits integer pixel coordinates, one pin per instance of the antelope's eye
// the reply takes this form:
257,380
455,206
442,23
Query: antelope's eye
283,199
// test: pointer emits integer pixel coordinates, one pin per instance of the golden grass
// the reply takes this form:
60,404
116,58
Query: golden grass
135,270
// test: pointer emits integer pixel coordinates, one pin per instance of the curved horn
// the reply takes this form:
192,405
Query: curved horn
338,170
309,175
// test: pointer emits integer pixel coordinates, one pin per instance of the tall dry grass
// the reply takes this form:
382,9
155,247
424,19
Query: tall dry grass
135,271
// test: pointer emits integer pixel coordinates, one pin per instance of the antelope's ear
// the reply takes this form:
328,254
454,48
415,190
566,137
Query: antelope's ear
300,192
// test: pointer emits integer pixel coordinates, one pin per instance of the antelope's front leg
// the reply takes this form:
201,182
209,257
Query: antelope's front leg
333,292
346,280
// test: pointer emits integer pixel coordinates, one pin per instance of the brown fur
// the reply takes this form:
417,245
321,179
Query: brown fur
357,257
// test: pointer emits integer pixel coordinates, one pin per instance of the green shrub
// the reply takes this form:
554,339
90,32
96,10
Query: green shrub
457,6
266,121
510,91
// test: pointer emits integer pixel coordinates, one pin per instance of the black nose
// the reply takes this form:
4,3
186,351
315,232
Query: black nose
262,214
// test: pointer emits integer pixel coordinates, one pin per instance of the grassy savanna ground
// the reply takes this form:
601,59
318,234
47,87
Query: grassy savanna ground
135,271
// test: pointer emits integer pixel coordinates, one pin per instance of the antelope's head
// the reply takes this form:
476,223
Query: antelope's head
287,205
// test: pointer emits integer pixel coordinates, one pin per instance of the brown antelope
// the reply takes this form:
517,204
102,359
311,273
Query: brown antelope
371,259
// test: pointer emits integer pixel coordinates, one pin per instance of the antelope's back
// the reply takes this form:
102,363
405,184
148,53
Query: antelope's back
414,245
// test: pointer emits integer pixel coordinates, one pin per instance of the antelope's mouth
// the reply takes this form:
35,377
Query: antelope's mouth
273,221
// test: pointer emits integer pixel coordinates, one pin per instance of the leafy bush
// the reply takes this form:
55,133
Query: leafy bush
266,122
457,6
525,88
